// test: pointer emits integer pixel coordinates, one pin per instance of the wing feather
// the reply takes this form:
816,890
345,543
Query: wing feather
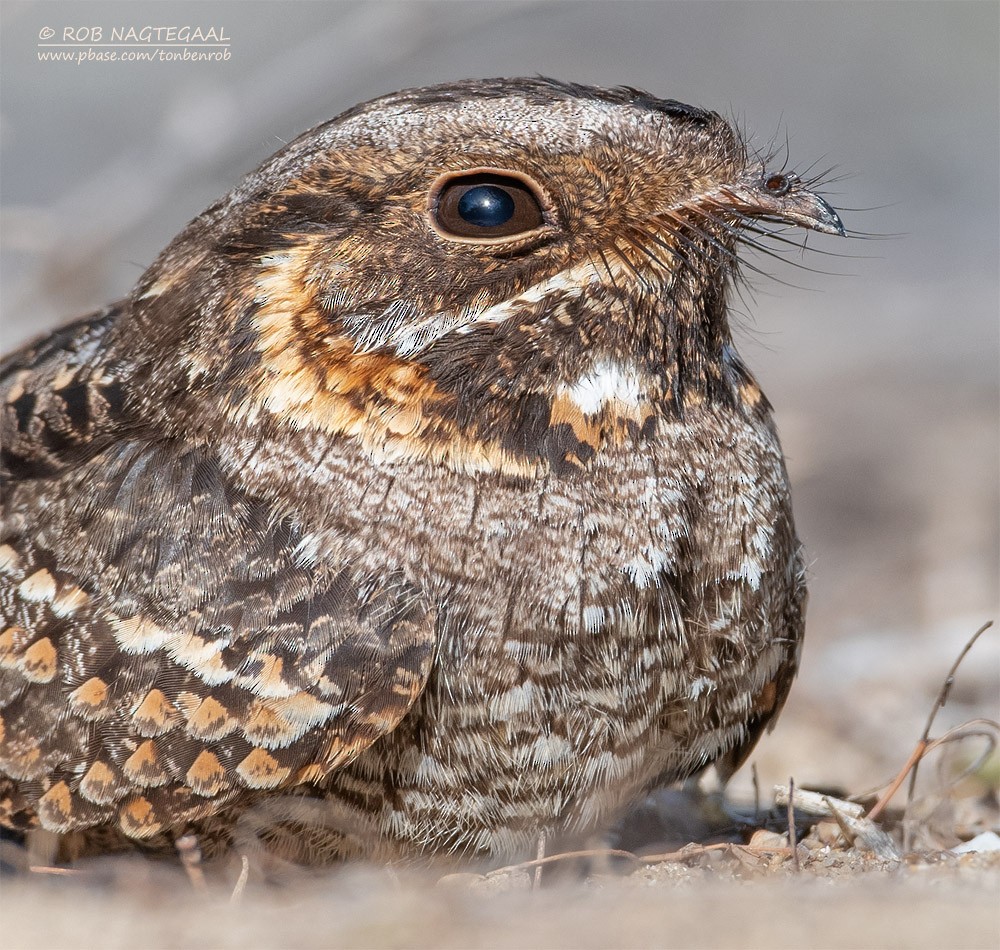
165,649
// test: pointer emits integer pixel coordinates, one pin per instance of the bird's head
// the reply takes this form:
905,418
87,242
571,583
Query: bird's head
497,275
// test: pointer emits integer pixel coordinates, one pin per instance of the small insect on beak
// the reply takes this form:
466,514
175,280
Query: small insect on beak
781,197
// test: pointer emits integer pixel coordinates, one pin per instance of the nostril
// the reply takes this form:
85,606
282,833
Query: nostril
779,184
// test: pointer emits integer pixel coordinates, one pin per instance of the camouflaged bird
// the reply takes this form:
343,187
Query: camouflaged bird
419,477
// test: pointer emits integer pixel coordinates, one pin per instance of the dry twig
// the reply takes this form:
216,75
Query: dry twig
792,839
564,856
241,881
685,854
924,743
539,854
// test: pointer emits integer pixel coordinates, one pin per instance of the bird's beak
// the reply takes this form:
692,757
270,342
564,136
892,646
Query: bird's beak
781,197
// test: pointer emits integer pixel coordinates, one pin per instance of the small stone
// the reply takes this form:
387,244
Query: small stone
765,840
987,841
828,833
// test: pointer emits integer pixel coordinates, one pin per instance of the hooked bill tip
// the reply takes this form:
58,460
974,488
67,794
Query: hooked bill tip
826,220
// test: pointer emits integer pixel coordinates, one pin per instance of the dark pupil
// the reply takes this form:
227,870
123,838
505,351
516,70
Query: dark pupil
486,206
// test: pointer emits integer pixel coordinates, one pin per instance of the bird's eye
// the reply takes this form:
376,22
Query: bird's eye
485,205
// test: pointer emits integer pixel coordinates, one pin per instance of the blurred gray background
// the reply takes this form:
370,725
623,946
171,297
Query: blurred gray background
884,374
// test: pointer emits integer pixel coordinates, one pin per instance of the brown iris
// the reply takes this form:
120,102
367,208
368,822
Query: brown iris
486,205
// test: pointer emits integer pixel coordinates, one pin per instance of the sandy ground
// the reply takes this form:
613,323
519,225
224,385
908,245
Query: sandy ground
913,908
884,375
903,914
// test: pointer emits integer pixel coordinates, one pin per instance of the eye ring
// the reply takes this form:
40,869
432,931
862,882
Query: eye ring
486,206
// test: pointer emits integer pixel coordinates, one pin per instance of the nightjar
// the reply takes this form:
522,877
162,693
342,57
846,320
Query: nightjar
417,479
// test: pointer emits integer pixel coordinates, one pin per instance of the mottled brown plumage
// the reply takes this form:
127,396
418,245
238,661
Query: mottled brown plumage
418,476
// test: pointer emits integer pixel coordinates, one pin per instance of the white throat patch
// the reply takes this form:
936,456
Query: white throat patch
605,382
